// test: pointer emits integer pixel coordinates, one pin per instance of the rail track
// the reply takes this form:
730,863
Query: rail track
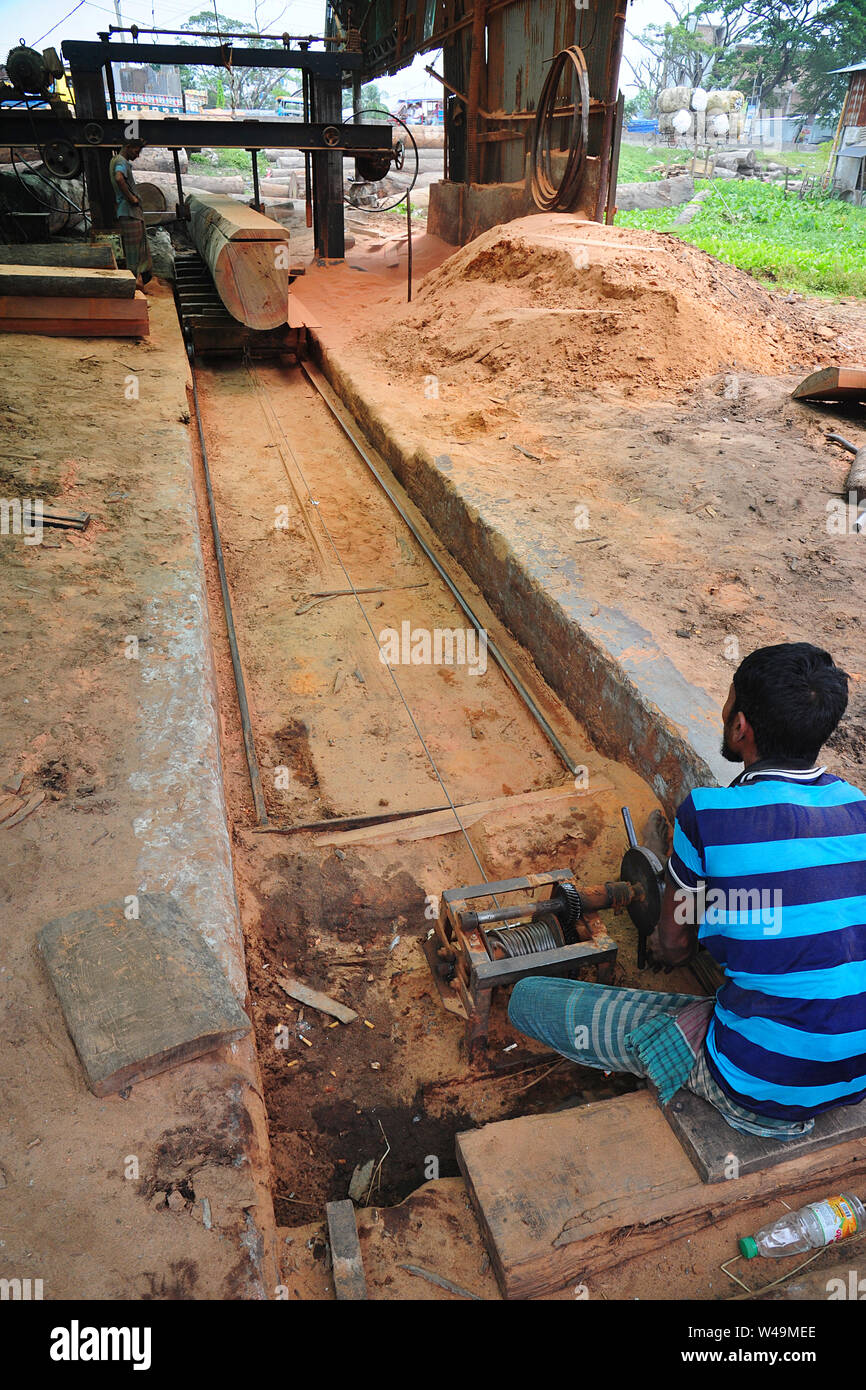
338,763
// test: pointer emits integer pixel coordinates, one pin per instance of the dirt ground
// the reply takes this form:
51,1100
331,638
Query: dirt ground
101,1197
333,738
652,438
668,460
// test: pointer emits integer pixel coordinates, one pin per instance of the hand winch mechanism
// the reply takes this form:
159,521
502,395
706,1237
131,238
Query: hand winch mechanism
543,924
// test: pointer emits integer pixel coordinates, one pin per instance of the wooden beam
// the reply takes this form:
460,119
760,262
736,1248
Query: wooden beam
248,256
77,282
561,1198
346,1264
477,65
99,256
75,318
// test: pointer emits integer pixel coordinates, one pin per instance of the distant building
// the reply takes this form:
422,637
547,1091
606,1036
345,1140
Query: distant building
850,174
143,88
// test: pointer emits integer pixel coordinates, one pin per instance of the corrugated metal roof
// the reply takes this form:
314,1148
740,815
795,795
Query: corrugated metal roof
857,67
853,152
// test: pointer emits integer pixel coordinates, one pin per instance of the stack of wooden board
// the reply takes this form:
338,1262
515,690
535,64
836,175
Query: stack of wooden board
63,300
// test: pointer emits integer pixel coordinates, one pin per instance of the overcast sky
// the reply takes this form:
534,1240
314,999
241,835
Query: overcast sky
33,20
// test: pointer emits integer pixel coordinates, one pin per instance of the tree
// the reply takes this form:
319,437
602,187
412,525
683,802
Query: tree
684,52
765,46
840,42
774,39
794,41
244,88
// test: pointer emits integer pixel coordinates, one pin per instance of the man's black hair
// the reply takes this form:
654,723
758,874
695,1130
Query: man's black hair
793,695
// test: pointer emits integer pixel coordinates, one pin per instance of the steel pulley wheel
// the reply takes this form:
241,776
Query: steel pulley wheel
374,164
61,159
643,870
547,195
93,133
331,136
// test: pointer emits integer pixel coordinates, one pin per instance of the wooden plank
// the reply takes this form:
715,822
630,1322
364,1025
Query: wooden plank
76,328
138,996
59,253
833,384
248,256
315,1000
557,1195
346,1264
430,824
76,318
707,1139
74,281
51,307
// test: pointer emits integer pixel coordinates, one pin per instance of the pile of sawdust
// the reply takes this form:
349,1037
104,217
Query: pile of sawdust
579,305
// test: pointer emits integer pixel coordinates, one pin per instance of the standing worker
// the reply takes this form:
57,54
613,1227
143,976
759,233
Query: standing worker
130,216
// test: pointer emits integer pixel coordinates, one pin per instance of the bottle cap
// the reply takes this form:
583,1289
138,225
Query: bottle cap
748,1247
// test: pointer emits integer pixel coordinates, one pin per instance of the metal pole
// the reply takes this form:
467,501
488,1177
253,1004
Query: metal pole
473,96
179,182
256,199
611,97
409,256
240,686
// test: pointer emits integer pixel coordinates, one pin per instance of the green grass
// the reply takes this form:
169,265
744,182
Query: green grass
230,162
812,161
635,161
815,246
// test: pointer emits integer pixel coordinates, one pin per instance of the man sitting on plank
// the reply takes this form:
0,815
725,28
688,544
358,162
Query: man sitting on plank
769,874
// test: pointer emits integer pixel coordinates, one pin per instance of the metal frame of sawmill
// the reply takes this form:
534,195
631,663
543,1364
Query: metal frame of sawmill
97,133
495,57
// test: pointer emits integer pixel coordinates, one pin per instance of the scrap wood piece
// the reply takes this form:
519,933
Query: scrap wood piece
30,804
426,826
442,1282
8,806
315,999
346,1264
833,384
70,521
138,996
299,316
706,1137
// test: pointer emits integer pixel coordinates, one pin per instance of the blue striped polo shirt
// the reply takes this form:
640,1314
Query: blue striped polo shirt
778,863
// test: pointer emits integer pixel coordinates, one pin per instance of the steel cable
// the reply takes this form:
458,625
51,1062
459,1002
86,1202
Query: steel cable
547,195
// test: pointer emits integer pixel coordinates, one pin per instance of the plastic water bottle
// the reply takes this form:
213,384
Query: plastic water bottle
813,1226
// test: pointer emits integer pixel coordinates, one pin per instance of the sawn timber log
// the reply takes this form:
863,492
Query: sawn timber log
248,256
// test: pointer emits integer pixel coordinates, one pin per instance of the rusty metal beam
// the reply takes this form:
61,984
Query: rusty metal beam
613,66
477,64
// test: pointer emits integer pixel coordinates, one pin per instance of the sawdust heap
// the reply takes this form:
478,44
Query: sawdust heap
580,305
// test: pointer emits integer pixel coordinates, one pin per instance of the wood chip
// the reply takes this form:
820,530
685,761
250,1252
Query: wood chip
30,805
315,1000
